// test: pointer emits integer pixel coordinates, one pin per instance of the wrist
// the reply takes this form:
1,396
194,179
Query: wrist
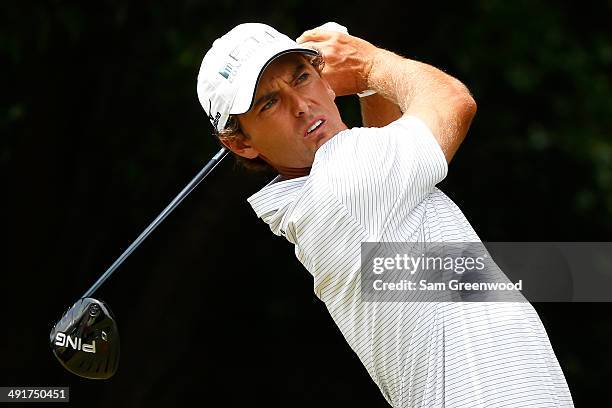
369,72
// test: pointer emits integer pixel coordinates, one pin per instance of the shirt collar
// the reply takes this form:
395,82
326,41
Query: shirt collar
276,194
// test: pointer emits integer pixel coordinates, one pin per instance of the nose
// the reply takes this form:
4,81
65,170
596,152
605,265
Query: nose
299,104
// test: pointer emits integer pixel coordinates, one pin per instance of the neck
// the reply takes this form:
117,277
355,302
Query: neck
292,172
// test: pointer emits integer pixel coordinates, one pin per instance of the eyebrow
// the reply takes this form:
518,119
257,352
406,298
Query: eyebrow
269,95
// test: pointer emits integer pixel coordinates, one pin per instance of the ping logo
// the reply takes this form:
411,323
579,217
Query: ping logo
65,340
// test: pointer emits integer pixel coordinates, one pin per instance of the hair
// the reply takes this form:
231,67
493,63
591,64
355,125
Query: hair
233,131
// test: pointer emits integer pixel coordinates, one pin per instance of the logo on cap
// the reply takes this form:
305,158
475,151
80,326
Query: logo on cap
242,52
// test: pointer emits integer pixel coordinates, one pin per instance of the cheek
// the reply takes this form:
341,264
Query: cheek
330,92
277,137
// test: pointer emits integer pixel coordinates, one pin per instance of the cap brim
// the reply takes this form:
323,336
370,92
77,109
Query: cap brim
248,86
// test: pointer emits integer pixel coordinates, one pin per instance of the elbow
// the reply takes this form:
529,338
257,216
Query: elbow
470,106
461,104
470,112
467,105
465,110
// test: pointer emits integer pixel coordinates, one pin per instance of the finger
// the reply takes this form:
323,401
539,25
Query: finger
333,26
309,44
313,35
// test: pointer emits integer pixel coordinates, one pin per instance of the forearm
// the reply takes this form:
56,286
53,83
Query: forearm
352,65
421,90
378,111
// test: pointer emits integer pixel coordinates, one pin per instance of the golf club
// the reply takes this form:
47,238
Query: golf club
86,340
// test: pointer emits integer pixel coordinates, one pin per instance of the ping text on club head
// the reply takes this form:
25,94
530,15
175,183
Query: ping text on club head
65,340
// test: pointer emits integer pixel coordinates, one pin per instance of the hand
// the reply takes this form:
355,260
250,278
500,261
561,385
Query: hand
348,59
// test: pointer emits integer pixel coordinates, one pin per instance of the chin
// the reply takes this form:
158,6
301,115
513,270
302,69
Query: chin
324,138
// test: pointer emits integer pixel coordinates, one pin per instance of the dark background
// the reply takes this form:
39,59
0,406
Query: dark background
101,127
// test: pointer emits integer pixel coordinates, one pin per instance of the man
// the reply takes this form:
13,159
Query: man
272,103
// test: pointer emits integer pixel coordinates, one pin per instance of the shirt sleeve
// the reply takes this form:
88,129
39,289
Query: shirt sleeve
375,170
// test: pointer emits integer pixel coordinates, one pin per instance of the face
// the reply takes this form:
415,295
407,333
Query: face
294,113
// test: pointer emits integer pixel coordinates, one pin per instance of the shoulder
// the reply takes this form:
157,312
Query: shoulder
381,167
406,140
407,131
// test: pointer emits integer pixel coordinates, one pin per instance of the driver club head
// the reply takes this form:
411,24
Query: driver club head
86,340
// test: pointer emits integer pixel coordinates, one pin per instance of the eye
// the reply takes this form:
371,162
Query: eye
302,77
268,104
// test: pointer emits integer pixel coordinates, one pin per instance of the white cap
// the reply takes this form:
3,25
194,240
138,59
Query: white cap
232,67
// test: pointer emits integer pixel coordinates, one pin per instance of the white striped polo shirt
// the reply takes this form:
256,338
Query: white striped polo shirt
378,185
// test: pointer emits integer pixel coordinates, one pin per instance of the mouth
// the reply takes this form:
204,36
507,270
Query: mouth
315,127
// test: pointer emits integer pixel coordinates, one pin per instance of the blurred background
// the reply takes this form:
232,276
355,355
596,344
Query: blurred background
101,127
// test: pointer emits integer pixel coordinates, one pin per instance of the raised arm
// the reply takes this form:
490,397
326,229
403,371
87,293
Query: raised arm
378,111
418,89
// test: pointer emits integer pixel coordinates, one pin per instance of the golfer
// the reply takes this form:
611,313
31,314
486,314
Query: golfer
271,102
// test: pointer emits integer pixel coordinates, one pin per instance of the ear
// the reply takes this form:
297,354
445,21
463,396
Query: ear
239,145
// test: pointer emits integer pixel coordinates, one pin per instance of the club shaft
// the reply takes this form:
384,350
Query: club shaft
177,200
